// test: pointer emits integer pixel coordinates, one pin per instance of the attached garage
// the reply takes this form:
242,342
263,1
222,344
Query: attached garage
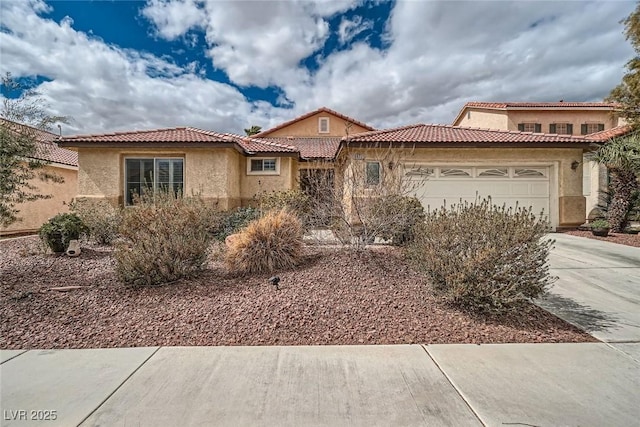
521,185
446,164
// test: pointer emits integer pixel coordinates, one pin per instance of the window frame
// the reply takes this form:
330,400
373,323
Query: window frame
584,127
537,127
250,161
553,128
367,182
322,120
155,174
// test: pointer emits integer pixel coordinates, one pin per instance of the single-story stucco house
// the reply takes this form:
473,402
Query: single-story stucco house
449,162
60,162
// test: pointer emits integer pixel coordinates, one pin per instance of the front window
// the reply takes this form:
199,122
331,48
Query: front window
142,175
263,166
372,173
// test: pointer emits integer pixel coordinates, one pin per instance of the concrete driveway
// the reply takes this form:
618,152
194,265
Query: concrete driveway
598,288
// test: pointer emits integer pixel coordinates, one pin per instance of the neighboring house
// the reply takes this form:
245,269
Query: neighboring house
61,162
446,163
563,118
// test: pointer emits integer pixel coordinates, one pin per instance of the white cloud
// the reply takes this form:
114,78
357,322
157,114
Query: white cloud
174,18
348,29
443,54
103,87
439,56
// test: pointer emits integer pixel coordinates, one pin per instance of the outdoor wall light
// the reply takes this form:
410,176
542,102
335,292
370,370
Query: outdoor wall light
575,164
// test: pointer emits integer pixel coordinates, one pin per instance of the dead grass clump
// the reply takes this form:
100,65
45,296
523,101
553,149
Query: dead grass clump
270,243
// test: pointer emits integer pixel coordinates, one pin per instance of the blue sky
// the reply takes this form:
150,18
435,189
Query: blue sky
117,65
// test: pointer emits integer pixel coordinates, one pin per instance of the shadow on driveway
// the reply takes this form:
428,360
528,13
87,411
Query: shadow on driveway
584,317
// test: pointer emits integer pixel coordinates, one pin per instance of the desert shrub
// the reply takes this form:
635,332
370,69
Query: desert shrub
230,222
61,229
101,218
267,244
482,257
396,217
295,201
164,238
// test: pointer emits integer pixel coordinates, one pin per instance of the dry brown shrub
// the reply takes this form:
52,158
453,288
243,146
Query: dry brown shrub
164,238
483,257
270,243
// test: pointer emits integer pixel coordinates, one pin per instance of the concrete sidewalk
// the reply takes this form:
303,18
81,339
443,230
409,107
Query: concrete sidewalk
405,385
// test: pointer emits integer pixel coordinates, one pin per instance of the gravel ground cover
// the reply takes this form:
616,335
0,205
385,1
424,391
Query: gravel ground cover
620,238
335,297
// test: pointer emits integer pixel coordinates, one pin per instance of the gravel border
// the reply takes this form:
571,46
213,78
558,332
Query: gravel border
619,238
335,297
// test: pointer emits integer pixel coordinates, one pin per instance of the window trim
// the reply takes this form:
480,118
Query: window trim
537,127
263,172
553,128
368,184
584,127
155,174
322,120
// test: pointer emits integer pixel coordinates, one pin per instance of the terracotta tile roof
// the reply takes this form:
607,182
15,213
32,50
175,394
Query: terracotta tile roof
311,147
606,135
177,135
561,104
307,115
180,135
252,145
535,105
422,133
47,148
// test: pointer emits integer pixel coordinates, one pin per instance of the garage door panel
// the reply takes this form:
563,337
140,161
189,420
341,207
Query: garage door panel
510,190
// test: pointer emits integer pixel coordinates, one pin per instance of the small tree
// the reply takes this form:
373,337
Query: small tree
627,93
622,157
253,130
22,121
368,197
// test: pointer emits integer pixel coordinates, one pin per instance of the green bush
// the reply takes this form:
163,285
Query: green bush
267,244
482,257
101,217
164,238
230,222
61,229
397,217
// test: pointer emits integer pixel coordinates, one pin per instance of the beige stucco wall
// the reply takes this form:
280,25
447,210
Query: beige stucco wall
309,127
34,214
252,185
595,183
546,117
484,119
210,173
509,120
568,202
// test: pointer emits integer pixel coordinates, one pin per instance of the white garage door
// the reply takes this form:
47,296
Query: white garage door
525,185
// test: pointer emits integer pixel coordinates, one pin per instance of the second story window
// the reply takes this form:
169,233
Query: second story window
561,128
323,125
530,127
587,128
